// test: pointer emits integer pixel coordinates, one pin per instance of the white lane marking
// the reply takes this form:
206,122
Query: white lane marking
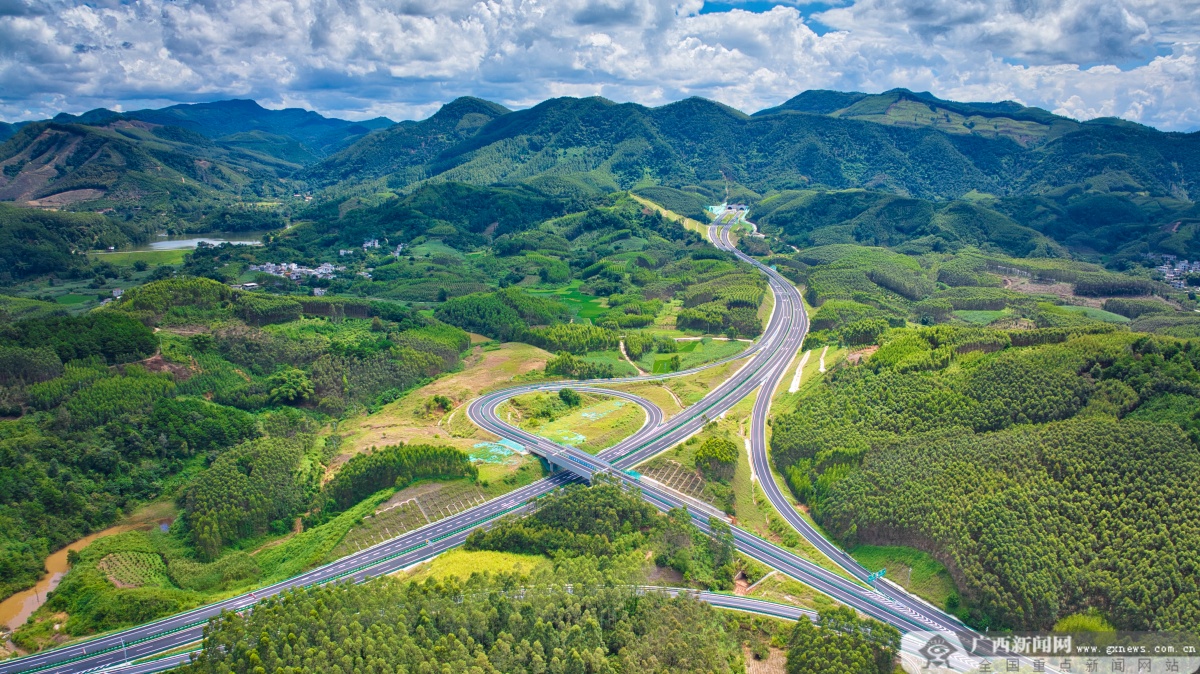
800,369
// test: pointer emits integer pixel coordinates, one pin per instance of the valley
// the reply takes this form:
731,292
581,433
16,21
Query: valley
915,373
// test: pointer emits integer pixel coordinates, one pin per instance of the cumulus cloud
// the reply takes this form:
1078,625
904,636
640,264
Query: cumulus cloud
359,58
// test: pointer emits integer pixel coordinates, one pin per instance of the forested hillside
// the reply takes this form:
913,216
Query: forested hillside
458,244
1050,470
1122,226
1099,188
36,243
857,292
582,613
135,171
112,414
883,142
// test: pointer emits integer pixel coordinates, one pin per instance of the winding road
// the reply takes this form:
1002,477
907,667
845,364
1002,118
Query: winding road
769,360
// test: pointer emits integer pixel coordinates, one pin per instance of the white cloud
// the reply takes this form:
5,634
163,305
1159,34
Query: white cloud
402,58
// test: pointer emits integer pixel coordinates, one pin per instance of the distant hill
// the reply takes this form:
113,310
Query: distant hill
907,143
318,135
1050,175
137,170
901,107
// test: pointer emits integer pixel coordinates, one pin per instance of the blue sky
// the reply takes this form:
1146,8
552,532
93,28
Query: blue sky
1136,59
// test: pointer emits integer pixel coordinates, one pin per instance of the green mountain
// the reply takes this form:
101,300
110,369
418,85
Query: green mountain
1021,180
138,170
820,139
1121,226
221,119
406,147
901,107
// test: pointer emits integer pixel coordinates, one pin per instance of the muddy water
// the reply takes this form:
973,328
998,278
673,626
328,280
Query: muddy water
15,610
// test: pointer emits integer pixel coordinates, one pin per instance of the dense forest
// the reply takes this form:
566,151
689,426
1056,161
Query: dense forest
35,243
581,614
111,414
576,618
857,292
1049,470
606,521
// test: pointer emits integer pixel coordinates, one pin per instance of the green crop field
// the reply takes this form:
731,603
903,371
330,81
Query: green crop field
1097,314
72,299
981,317
135,569
583,305
151,257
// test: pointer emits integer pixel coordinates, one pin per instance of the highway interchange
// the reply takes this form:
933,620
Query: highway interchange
769,360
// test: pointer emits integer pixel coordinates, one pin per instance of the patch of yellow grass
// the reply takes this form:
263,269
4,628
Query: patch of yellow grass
656,393
779,588
407,419
688,223
462,563
600,423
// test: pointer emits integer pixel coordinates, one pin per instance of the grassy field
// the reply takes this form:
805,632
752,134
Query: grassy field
597,424
981,317
912,569
621,367
780,588
151,257
691,354
655,392
433,247
694,225
1096,314
583,305
811,377
1084,622
406,420
71,299
692,388
767,306
463,563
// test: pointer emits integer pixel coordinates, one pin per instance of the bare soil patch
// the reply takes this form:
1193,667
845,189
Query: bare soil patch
857,356
186,330
1029,286
775,663
65,198
157,363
